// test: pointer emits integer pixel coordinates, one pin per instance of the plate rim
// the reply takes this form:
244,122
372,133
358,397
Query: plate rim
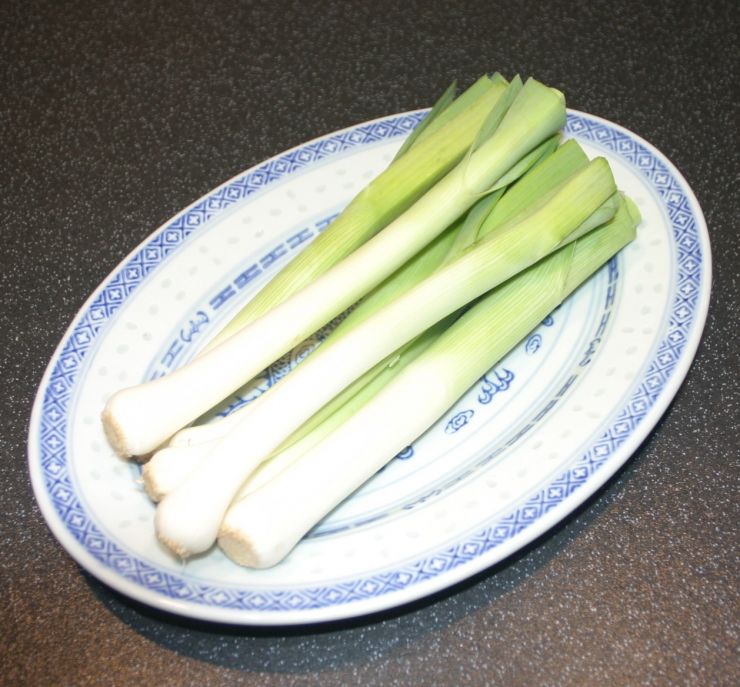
420,589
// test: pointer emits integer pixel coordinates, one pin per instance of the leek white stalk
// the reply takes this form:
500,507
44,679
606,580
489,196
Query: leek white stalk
139,419
187,520
262,527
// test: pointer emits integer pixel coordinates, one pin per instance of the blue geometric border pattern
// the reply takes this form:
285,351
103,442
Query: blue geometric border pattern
60,387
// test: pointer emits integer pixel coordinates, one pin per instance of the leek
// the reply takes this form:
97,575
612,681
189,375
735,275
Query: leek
139,419
261,528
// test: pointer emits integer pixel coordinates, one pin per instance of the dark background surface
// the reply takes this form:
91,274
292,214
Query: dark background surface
115,115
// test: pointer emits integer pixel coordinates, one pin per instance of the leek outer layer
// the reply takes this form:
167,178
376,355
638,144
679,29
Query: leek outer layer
171,465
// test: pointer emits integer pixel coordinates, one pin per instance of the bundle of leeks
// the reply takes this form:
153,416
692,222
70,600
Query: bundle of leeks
482,207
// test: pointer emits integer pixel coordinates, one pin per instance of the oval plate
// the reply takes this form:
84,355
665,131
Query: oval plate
531,441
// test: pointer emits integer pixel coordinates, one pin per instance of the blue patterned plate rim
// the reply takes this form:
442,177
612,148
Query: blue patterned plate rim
372,592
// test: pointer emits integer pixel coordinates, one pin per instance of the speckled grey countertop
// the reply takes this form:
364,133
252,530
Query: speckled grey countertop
115,115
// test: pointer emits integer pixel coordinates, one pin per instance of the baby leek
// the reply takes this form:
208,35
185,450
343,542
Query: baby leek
139,419
188,518
263,526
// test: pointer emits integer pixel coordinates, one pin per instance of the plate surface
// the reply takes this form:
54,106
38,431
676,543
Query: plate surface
525,446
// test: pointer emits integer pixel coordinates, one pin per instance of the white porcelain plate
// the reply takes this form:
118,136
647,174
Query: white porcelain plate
531,441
